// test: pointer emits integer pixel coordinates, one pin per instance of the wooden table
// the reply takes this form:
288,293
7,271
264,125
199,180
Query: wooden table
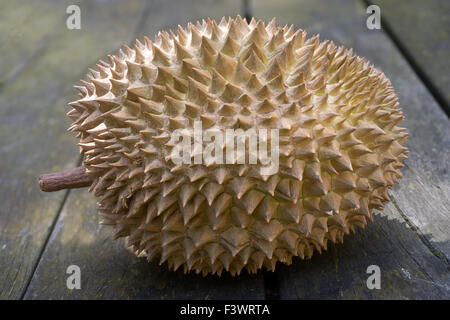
42,234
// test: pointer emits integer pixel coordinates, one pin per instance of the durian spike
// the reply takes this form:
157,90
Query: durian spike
340,146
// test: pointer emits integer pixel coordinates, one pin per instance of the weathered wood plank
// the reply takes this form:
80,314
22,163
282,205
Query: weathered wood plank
423,28
423,195
33,125
26,27
407,270
425,202
169,14
108,270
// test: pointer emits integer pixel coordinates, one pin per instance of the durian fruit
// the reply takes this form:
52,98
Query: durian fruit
340,146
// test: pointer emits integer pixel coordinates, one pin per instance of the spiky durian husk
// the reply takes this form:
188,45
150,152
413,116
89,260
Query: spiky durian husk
340,146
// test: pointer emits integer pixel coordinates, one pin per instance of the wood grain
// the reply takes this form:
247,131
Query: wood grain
33,124
408,270
108,270
423,28
413,261
422,197
26,27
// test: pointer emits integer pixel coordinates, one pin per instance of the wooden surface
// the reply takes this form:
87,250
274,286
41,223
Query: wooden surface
419,233
423,28
33,124
42,234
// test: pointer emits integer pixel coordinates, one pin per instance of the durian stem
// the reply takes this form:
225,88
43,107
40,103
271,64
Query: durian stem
67,179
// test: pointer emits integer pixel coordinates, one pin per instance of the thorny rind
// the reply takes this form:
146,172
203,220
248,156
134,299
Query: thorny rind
340,146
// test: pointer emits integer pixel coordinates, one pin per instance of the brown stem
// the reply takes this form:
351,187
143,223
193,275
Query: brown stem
67,179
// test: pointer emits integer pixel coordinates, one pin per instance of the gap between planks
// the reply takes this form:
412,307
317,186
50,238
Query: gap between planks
49,234
270,279
44,245
271,283
135,34
429,84
385,25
